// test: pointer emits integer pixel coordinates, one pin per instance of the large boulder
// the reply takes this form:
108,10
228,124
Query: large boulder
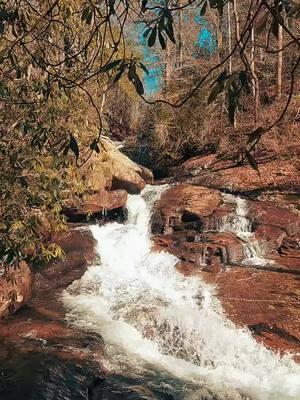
104,200
111,169
78,246
103,205
126,174
184,207
15,288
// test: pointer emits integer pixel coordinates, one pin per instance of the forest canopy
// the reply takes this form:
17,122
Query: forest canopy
70,67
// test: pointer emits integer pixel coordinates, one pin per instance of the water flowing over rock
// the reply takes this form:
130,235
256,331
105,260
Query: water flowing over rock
167,329
269,237
109,176
261,283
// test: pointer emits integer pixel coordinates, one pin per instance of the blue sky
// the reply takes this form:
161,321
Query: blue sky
205,40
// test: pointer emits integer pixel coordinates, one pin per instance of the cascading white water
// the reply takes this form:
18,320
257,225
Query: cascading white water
166,328
240,225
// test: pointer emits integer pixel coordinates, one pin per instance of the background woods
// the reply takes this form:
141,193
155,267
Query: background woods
72,71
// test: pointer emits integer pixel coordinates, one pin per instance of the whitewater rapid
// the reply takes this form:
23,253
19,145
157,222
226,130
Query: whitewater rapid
166,329
239,224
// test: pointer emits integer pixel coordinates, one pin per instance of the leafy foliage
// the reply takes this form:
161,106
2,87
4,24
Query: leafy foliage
60,58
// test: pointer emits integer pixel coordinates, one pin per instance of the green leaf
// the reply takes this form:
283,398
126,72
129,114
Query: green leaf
66,150
138,85
85,13
118,76
170,32
161,40
10,256
144,68
152,37
144,5
146,33
89,18
110,66
94,146
74,146
134,78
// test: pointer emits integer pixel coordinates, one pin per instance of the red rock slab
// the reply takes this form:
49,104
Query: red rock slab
40,325
266,213
105,200
275,175
15,288
184,206
267,302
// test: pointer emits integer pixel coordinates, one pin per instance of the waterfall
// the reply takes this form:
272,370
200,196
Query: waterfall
165,329
240,225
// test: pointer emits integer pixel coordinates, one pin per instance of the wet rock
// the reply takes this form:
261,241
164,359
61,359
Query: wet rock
265,213
79,248
129,181
41,325
290,247
103,205
15,288
203,249
216,220
183,207
269,238
37,375
265,301
104,200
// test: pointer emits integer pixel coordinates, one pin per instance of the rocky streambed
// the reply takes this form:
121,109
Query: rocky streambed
256,270
248,250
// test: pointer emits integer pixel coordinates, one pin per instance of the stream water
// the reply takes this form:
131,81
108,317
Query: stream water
240,225
167,330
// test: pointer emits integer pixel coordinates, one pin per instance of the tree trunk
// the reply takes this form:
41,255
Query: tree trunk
180,42
229,36
279,62
249,62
